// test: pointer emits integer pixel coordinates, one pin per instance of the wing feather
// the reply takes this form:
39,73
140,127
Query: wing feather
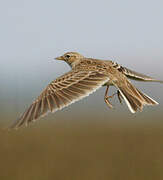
62,92
137,76
134,75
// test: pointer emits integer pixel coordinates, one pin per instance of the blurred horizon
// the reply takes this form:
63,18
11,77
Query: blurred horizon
86,140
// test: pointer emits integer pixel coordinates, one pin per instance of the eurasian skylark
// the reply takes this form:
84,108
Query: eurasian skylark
87,75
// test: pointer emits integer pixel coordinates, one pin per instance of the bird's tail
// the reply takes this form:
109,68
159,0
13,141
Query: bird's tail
135,99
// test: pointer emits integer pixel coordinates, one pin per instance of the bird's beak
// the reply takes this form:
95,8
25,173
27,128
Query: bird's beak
59,58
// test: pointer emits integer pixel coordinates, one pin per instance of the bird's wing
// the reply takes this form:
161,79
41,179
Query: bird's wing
134,75
62,92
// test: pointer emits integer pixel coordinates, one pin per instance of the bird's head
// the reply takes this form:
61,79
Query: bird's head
71,58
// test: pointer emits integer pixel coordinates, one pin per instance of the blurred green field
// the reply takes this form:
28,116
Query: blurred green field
67,149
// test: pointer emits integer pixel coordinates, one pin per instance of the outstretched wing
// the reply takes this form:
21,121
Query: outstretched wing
134,75
62,92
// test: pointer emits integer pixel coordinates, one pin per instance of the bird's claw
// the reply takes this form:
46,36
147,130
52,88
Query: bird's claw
107,102
106,99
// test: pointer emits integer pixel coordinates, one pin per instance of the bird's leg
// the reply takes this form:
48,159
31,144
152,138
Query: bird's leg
106,97
119,96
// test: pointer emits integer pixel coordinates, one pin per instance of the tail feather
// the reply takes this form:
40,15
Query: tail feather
134,104
135,99
148,99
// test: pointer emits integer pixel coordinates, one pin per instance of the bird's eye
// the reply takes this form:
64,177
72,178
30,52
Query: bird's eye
67,56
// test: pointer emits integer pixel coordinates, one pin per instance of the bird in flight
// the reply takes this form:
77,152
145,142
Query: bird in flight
86,76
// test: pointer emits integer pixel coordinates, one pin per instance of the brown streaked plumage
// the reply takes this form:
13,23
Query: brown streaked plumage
86,76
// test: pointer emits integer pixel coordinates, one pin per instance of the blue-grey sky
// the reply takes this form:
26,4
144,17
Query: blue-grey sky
33,32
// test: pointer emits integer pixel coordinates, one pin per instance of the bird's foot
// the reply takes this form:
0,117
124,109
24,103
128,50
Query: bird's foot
106,99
